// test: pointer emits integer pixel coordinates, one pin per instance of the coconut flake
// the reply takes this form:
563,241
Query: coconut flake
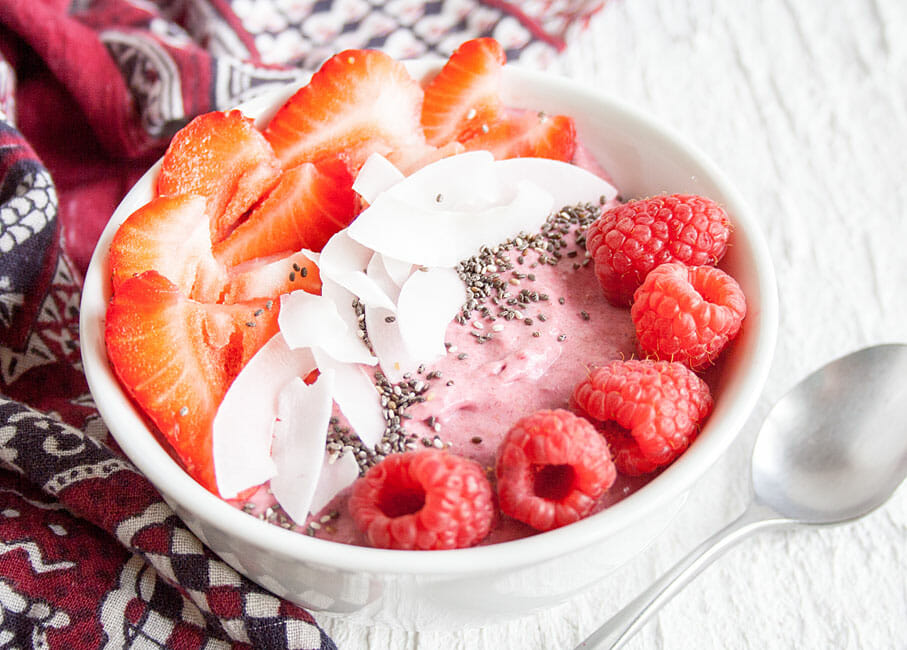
376,175
442,237
356,396
241,435
398,270
428,302
465,182
567,184
311,321
335,476
344,261
387,342
378,273
300,434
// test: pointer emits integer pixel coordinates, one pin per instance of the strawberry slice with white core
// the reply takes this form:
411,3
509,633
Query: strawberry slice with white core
359,102
308,205
176,358
223,157
169,235
464,96
243,423
300,434
527,134
271,277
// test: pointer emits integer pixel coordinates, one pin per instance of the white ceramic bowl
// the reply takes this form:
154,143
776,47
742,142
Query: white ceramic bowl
428,589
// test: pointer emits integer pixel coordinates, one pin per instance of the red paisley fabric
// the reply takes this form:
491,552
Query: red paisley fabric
90,93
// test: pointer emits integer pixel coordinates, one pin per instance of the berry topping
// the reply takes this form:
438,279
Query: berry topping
169,235
551,469
631,239
309,204
463,97
649,411
423,500
359,102
223,157
527,134
176,358
687,313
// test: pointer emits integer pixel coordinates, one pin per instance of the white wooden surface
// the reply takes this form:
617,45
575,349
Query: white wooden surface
804,104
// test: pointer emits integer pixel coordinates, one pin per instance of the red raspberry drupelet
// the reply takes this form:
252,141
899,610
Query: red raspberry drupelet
631,239
687,313
423,500
551,469
650,411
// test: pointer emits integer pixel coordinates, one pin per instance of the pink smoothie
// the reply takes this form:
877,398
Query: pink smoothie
522,348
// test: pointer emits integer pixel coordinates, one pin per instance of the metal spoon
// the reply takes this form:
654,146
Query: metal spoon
830,451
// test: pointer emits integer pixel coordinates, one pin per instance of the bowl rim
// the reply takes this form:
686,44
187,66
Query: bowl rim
724,424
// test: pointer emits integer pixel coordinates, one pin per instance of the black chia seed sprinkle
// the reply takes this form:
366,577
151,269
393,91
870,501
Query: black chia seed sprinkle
489,296
292,276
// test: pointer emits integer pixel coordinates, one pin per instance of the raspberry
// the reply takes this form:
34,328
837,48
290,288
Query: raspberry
630,240
649,410
687,314
423,500
551,468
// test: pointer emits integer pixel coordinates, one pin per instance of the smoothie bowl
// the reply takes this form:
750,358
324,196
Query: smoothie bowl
389,335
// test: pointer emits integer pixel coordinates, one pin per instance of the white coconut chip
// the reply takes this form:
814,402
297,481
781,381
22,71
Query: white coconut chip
464,182
356,396
398,270
384,334
376,175
443,237
428,302
335,476
300,434
241,436
344,261
311,321
377,271
567,184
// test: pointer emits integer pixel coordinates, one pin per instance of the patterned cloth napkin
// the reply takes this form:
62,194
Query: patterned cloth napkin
90,93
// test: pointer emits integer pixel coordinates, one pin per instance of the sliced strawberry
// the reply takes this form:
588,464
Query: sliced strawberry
271,277
465,93
169,235
176,358
359,102
223,157
528,134
307,206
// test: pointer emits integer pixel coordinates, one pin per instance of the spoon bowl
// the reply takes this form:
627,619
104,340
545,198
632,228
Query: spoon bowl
835,447
832,450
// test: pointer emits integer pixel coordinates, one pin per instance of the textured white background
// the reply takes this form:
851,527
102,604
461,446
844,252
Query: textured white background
803,103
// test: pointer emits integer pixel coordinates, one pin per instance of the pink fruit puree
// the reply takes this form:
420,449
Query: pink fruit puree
531,361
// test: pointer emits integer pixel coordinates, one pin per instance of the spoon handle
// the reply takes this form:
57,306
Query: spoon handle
620,627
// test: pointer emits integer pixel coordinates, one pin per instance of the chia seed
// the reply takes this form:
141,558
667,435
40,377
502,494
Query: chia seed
490,279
